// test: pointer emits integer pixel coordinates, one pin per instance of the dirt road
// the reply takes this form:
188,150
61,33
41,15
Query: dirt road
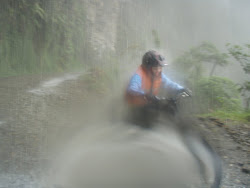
39,116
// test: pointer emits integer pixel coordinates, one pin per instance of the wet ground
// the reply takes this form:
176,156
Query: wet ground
39,115
231,141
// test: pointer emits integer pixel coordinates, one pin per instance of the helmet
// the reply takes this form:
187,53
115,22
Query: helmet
153,59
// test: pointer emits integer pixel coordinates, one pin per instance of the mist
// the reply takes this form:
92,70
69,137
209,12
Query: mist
62,104
185,24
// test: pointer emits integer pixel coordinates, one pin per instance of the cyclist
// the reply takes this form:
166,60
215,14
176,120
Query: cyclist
145,84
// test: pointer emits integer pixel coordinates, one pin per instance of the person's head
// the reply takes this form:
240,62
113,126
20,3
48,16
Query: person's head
153,61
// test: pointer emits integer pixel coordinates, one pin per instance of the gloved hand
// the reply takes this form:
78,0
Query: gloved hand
151,98
186,90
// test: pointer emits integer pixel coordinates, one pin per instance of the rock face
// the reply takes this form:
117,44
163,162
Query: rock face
101,21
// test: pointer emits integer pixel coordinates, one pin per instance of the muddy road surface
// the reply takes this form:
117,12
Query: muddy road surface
41,115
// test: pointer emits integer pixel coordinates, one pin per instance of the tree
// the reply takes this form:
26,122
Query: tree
191,62
41,35
209,53
242,55
216,93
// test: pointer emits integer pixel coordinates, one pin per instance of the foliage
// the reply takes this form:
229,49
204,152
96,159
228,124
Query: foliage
242,55
216,93
191,62
224,115
40,35
212,93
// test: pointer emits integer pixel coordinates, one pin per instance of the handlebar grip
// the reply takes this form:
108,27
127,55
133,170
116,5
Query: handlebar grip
187,91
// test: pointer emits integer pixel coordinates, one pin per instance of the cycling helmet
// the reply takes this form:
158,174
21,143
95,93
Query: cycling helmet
153,59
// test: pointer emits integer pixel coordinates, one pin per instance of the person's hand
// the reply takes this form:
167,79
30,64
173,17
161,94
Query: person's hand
151,98
187,91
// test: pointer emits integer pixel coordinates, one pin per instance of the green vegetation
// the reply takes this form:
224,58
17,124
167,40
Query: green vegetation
215,93
41,35
215,96
191,63
242,56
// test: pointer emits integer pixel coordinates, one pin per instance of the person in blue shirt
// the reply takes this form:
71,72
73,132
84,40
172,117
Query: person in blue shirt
145,85
148,79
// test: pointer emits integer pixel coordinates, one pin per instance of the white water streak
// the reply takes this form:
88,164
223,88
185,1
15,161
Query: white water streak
49,86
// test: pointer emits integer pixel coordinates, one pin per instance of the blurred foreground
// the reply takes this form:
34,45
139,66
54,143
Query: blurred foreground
62,136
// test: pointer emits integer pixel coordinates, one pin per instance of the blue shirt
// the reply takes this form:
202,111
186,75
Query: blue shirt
135,84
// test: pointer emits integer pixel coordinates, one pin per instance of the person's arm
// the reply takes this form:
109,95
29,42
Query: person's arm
135,86
135,92
167,83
